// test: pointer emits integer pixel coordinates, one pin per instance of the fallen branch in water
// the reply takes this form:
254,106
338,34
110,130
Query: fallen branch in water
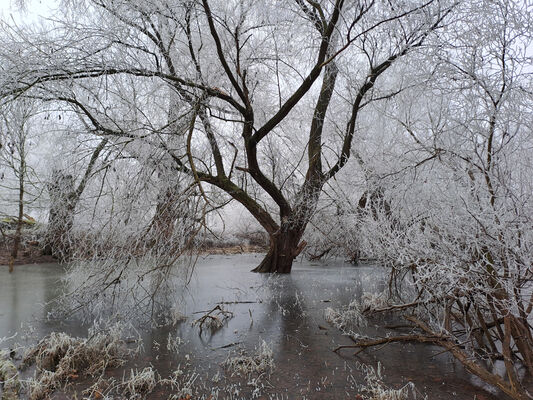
229,345
213,320
471,365
446,342
363,344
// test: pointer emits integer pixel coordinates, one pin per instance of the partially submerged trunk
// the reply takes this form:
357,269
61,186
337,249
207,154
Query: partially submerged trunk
284,248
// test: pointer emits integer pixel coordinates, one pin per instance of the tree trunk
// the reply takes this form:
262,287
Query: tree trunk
284,248
173,223
167,213
61,218
58,238
63,200
18,233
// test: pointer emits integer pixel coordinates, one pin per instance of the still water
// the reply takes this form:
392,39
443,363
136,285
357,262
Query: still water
287,312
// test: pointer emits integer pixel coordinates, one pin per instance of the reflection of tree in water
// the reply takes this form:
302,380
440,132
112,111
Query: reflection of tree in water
298,335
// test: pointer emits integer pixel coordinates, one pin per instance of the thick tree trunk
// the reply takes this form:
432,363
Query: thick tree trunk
174,222
166,214
284,248
61,218
58,238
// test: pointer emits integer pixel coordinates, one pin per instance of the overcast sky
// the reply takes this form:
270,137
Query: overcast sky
33,9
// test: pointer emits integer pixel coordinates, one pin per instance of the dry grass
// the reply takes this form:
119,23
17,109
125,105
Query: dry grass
140,383
260,362
375,389
346,319
9,379
60,358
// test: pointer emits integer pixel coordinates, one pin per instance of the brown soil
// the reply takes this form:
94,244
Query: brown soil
29,253
237,249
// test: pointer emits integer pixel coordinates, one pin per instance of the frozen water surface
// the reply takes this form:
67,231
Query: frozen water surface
287,312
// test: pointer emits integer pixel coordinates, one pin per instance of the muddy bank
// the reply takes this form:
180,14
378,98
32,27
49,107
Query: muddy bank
31,250
29,253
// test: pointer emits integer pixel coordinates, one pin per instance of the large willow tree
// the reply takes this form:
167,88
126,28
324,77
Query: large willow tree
264,96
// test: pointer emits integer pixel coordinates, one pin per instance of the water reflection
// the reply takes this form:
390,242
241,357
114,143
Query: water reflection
285,311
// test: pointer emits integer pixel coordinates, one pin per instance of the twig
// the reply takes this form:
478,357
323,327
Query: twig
228,345
365,343
216,321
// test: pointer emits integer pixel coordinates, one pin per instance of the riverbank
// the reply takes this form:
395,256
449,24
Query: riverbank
31,252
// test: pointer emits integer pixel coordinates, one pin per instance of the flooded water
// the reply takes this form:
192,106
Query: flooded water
287,312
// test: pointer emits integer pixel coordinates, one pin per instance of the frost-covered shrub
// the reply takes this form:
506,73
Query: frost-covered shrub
375,389
139,384
9,377
260,362
346,319
59,358
371,301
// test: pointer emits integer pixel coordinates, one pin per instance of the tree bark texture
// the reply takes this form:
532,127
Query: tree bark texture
61,218
284,248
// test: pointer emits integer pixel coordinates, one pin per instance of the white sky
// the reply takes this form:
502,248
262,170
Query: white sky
32,10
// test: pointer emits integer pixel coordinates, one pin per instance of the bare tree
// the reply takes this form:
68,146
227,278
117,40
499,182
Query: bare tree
14,136
244,77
